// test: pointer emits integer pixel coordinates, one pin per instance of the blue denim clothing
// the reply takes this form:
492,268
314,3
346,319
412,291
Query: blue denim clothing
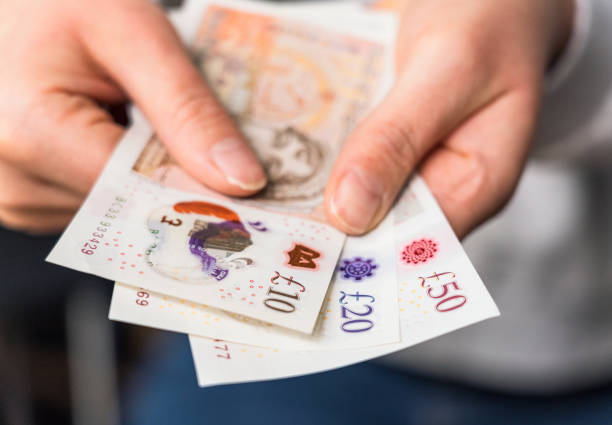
164,391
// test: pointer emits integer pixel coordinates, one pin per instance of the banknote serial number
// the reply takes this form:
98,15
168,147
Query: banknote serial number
97,236
444,289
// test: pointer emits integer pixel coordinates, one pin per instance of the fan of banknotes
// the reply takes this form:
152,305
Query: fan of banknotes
265,287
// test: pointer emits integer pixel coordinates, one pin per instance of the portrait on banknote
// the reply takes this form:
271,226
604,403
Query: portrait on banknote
294,93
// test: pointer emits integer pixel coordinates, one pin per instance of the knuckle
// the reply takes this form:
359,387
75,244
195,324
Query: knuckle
15,146
457,51
483,186
398,146
14,196
19,142
75,108
458,178
197,111
6,149
13,221
11,198
475,180
24,153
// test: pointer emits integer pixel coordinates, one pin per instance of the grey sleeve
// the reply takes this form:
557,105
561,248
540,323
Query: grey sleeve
171,4
576,118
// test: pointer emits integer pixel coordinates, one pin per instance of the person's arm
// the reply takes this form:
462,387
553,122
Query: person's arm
576,118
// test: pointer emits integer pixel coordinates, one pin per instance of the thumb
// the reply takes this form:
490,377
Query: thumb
143,53
384,149
373,165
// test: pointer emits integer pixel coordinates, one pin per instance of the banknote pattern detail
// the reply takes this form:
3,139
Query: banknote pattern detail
215,237
296,92
338,326
435,297
419,251
358,268
192,246
250,279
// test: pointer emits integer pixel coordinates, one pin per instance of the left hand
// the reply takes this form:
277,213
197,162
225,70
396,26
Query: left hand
462,110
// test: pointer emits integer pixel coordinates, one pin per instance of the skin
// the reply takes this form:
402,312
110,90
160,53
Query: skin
59,74
462,111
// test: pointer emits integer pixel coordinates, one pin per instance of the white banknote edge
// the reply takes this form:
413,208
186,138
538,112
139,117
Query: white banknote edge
300,363
213,369
212,323
381,31
66,251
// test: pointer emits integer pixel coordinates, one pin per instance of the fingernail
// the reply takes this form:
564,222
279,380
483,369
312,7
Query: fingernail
357,200
239,165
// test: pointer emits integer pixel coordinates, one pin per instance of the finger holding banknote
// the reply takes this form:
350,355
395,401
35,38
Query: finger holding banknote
64,63
462,111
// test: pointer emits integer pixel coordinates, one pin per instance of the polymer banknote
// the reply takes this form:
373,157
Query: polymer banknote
296,89
366,272
438,291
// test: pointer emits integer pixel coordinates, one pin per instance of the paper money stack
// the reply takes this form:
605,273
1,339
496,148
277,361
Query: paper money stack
265,287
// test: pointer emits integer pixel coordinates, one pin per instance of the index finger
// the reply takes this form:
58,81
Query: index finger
145,55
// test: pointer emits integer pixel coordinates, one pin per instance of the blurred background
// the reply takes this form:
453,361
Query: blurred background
546,360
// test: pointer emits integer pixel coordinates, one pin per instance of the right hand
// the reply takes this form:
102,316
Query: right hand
63,61
462,110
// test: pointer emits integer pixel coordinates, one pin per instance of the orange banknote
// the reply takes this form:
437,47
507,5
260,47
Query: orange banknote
295,90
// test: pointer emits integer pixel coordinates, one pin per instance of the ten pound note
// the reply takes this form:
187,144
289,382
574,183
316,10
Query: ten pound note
296,91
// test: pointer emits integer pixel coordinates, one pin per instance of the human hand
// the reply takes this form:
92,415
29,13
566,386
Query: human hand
462,110
63,62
